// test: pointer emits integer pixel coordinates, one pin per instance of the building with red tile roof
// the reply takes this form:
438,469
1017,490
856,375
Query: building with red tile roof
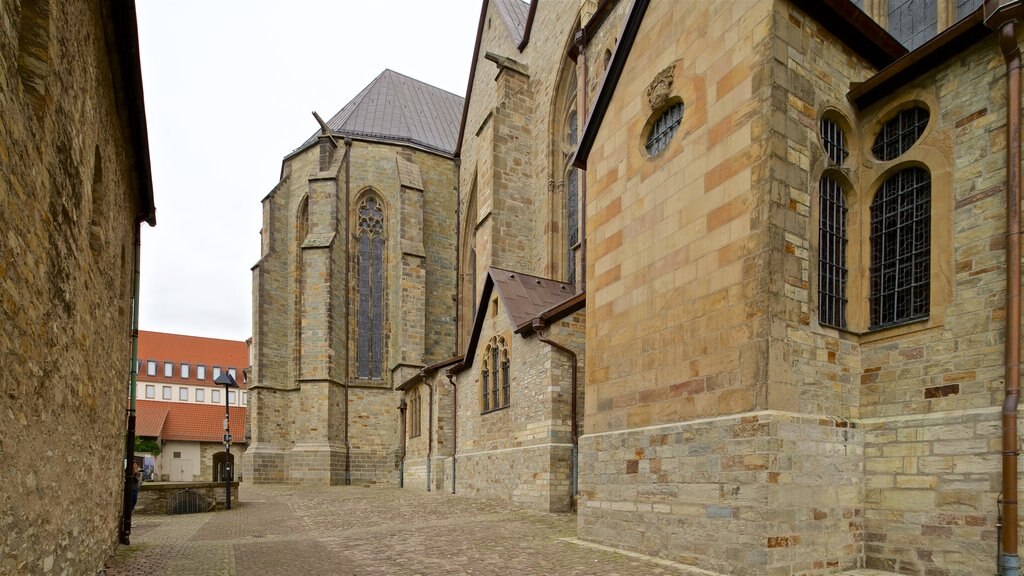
180,405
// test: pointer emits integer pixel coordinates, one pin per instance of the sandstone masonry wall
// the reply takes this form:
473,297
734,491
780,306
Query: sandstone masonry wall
68,200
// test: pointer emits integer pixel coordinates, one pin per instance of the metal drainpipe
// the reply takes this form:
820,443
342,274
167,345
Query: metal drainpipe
401,460
126,502
538,326
430,428
348,217
455,422
1009,560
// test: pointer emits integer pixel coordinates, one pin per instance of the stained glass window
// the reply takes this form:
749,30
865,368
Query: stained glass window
505,379
901,249
370,321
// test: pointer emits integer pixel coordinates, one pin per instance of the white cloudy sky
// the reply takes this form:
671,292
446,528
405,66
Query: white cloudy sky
230,85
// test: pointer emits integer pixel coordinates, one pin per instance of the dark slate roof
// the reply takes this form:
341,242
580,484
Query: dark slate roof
527,296
400,109
514,13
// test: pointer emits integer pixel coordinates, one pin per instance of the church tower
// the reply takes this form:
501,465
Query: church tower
352,289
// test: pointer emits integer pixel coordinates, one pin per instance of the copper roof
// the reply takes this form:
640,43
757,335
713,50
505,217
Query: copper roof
400,109
189,422
525,296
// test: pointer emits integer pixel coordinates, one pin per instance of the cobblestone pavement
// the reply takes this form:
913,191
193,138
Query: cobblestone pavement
364,531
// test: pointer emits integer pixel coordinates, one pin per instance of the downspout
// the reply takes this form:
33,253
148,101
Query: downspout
581,44
538,327
1009,560
348,330
430,428
401,460
126,501
458,243
455,422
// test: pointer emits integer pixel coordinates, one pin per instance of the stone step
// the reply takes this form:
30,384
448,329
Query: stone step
868,572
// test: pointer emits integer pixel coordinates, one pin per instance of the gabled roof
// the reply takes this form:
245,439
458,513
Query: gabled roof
397,108
188,422
524,297
514,14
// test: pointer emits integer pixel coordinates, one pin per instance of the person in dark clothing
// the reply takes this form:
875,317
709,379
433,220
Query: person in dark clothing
136,483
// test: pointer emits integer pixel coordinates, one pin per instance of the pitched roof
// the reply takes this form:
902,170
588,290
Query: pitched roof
514,14
397,108
189,422
527,296
149,418
191,350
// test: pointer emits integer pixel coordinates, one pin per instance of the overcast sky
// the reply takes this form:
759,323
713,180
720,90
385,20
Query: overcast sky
230,87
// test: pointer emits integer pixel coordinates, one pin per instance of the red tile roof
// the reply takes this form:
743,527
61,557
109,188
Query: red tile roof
149,417
194,351
195,422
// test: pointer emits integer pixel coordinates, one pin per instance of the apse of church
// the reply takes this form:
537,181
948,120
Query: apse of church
352,289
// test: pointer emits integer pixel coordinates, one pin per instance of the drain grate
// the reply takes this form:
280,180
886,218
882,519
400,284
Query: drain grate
188,501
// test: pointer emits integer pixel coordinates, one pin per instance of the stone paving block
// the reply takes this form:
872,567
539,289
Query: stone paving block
366,531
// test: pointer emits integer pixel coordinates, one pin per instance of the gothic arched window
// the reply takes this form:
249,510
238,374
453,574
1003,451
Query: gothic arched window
901,248
572,222
495,381
370,326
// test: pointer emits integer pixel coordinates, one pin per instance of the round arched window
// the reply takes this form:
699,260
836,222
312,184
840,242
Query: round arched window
833,140
664,128
900,132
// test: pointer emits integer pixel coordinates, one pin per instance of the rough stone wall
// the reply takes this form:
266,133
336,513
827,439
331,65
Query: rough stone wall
67,207
743,479
519,454
931,393
687,272
306,320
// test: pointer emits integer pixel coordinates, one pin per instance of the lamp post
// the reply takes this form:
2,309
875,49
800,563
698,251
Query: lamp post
225,379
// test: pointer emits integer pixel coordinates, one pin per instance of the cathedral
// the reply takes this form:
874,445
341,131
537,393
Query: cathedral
735,282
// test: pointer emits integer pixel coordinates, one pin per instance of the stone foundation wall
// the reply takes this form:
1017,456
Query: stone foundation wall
534,477
746,495
154,496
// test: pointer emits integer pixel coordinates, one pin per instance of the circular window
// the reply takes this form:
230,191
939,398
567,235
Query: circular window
900,132
664,128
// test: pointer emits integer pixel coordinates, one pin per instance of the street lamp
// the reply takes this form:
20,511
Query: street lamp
225,379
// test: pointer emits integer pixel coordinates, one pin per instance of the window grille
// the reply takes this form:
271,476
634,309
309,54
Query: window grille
899,133
370,323
832,239
664,128
900,249
833,140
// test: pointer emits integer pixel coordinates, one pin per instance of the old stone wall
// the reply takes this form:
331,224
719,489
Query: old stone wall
68,200
931,393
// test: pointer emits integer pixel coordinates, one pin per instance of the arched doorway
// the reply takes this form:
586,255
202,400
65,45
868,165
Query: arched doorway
222,472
